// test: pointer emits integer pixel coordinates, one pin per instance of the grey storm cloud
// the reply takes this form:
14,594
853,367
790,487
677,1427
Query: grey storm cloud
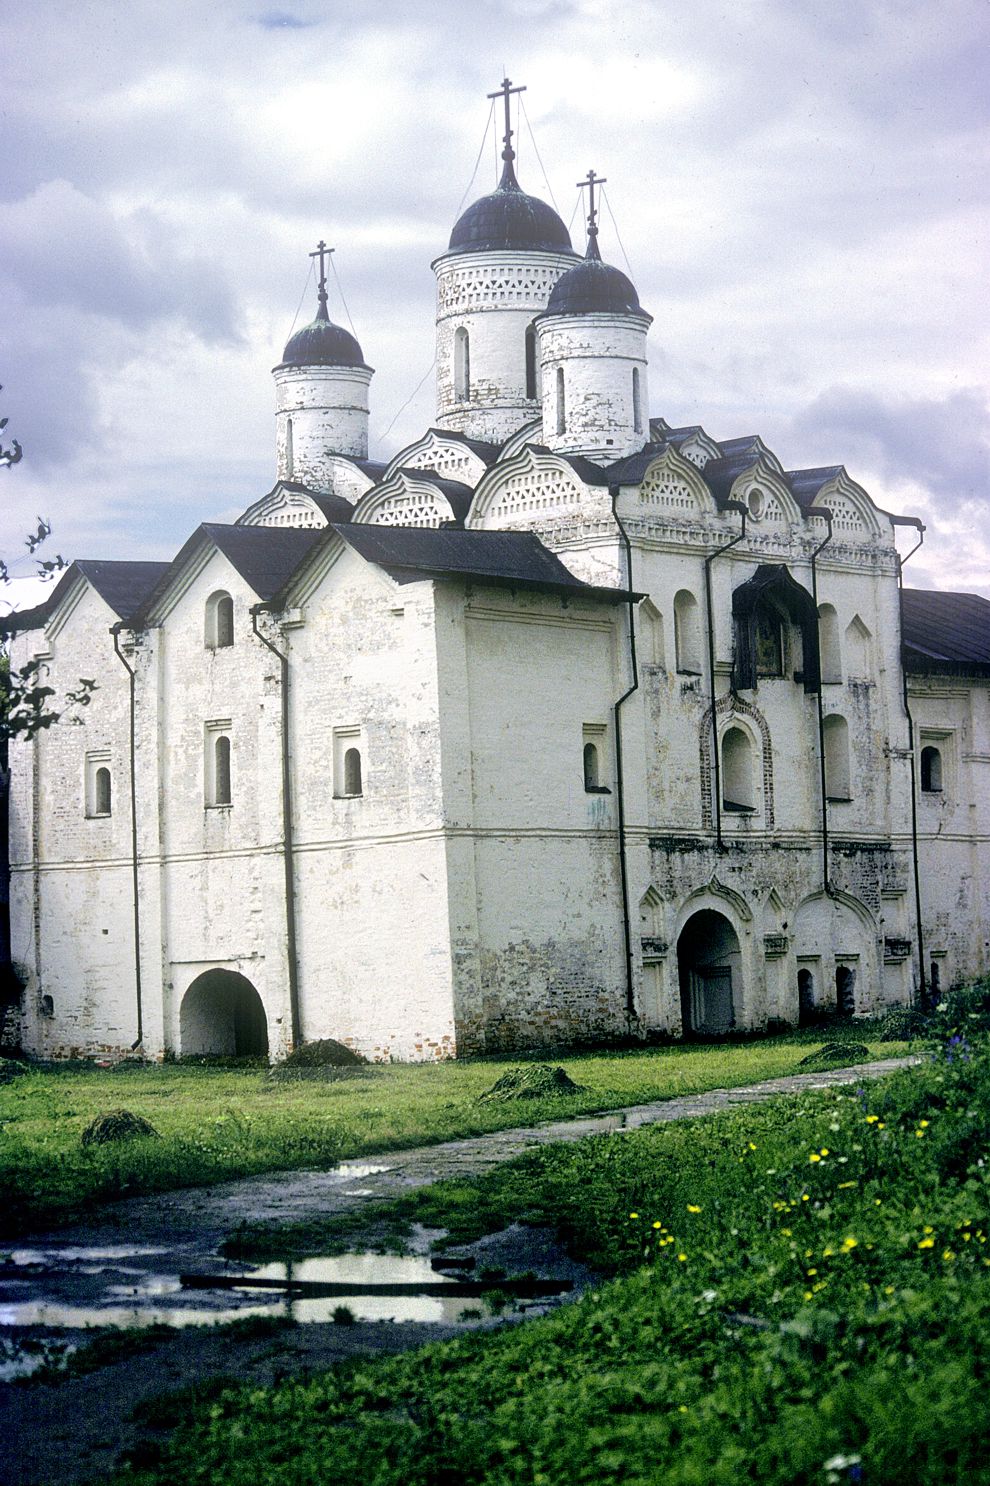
942,444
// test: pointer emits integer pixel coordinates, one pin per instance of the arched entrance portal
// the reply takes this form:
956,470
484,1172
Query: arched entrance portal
710,967
222,1017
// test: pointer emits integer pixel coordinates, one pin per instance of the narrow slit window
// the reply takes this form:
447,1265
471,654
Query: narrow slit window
561,408
592,778
531,389
352,772
103,800
931,770
462,365
637,407
290,463
221,770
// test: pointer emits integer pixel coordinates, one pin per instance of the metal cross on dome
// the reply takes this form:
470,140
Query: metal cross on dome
505,91
323,253
592,180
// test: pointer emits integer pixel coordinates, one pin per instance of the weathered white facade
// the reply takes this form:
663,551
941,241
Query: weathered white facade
563,726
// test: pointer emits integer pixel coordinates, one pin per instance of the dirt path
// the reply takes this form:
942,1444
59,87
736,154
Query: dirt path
123,1269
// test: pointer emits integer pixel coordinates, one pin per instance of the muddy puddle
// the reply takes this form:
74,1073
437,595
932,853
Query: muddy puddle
119,1286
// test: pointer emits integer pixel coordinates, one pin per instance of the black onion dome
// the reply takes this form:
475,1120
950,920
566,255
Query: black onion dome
594,287
322,344
508,218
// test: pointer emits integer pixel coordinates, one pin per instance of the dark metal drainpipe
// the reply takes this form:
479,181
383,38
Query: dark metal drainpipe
826,881
135,886
287,839
919,527
730,505
620,802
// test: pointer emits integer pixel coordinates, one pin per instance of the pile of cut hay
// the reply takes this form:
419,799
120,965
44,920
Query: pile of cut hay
535,1081
116,1124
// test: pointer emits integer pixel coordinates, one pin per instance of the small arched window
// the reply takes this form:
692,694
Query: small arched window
531,388
835,734
219,621
737,771
931,770
290,462
561,407
687,633
637,405
352,772
857,648
102,800
806,997
462,365
829,643
221,770
592,779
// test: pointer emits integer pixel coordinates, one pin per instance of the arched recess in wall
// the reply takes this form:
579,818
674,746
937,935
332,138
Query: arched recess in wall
829,643
832,934
835,735
649,634
738,771
731,709
222,1016
709,966
462,364
857,648
687,632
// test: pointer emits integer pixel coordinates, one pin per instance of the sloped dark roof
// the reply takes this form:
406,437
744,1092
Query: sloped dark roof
513,559
333,507
457,495
806,484
721,474
264,556
121,585
484,450
946,628
631,469
586,469
373,467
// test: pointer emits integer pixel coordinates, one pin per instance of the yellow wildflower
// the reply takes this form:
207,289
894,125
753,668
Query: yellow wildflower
693,1208
656,1225
844,1185
947,1254
872,1119
849,1243
634,1215
814,1156
926,1243
923,1124
682,1258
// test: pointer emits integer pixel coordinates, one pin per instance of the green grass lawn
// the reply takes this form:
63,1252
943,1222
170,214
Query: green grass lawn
218,1123
801,1294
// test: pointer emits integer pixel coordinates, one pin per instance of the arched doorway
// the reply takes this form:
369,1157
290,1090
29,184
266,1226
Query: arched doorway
806,998
845,990
222,1016
710,968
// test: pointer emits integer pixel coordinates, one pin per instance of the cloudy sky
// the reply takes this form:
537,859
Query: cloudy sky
799,186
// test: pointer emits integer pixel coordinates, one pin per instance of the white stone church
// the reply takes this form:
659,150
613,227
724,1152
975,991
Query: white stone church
563,726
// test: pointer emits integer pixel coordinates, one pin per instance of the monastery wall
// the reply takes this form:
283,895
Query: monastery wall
536,909
72,930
